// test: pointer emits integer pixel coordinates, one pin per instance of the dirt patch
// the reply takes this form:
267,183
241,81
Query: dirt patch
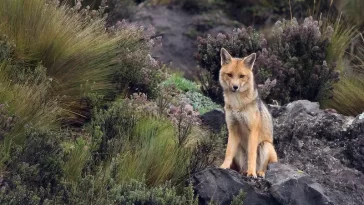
179,31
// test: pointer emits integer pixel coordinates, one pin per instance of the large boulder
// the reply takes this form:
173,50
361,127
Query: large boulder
283,185
329,147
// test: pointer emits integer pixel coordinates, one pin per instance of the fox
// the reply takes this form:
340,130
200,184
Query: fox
249,123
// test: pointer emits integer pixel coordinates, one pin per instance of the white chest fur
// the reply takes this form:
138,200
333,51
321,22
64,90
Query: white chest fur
244,118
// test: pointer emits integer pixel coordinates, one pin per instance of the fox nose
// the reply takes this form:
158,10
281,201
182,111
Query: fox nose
235,87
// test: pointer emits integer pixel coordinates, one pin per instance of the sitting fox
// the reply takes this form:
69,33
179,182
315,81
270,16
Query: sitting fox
250,141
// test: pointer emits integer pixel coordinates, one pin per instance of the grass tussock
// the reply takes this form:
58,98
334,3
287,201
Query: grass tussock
153,153
342,36
346,50
348,96
28,102
77,51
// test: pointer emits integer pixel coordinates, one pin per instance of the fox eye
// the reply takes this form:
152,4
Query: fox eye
230,75
241,76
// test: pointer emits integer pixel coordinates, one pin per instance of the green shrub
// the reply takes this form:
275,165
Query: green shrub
96,190
34,171
35,176
305,72
238,199
148,144
77,154
201,102
181,83
295,59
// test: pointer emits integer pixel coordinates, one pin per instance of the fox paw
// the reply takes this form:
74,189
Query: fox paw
251,174
225,166
261,174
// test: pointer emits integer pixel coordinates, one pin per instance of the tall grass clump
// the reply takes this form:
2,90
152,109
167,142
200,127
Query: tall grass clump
142,145
152,152
342,34
348,96
28,105
346,51
73,45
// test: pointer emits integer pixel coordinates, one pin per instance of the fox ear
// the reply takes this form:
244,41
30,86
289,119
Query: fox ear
250,60
225,56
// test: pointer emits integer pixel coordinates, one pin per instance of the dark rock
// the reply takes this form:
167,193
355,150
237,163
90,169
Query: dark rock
329,147
283,185
214,119
222,185
292,186
355,148
321,144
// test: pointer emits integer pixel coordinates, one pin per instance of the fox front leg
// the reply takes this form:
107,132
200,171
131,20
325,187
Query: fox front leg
252,153
232,147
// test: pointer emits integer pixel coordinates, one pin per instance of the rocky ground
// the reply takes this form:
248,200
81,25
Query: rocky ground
179,31
321,153
325,146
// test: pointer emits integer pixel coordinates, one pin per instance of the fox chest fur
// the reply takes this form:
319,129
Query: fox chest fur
244,118
241,112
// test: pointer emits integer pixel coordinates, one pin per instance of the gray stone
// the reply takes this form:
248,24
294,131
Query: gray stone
292,186
327,146
221,185
214,119
283,185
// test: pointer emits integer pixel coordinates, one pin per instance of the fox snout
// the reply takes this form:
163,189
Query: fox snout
235,88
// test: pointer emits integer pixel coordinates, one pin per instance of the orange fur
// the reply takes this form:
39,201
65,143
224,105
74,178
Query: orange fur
250,141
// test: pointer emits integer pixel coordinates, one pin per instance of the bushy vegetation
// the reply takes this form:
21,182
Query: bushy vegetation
295,59
181,83
61,64
37,177
123,156
201,102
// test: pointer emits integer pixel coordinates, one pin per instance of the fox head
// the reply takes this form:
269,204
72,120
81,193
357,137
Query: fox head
236,74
